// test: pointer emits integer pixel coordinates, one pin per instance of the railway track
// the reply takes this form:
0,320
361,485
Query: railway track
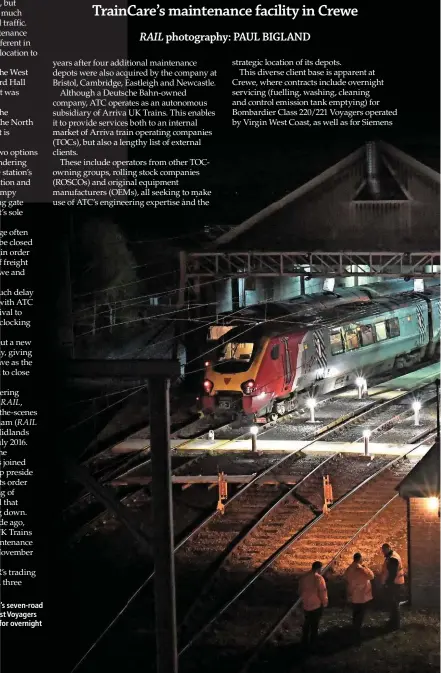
247,522
360,498
87,513
104,466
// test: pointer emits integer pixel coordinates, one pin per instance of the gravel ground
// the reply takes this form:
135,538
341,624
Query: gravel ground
414,648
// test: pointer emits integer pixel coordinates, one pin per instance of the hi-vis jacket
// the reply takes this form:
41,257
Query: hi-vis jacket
313,592
359,579
392,571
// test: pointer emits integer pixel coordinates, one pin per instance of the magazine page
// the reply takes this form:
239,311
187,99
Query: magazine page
219,337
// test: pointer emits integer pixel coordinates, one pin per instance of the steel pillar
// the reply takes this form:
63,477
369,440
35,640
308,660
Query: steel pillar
163,537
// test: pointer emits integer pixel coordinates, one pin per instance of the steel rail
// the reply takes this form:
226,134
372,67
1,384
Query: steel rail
193,532
296,604
274,629
398,417
243,536
320,434
117,474
78,534
269,562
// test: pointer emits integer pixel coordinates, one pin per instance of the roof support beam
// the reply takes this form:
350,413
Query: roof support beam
215,265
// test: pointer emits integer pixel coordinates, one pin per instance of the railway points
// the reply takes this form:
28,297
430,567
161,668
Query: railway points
358,504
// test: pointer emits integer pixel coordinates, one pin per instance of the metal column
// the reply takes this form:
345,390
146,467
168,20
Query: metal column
437,410
163,537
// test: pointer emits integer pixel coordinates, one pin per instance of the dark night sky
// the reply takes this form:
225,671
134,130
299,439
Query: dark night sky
252,168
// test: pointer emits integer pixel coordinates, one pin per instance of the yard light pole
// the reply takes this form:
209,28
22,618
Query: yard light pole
311,404
366,436
253,431
361,384
437,410
416,406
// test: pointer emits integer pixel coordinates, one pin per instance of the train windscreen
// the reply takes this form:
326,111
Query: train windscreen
234,357
215,332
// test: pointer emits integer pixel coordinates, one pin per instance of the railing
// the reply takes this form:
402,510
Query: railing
312,264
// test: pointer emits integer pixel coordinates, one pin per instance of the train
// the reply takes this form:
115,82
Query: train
258,367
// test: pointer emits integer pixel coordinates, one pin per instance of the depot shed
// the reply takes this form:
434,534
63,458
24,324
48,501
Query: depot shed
421,490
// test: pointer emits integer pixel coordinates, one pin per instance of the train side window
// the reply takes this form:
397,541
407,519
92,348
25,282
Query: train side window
336,342
380,331
393,327
351,338
275,350
367,335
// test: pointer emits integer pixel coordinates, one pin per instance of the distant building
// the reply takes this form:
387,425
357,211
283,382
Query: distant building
421,490
377,198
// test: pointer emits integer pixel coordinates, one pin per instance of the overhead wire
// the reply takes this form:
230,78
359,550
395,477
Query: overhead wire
98,397
213,322
101,411
116,287
146,296
156,294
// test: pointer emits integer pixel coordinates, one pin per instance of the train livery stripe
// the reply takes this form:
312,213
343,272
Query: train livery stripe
421,324
320,351
301,365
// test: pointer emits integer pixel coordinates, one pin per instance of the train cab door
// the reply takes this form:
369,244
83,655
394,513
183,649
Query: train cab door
288,370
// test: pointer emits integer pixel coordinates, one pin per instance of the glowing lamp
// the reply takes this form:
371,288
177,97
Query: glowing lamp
248,386
361,384
433,504
416,406
366,435
208,386
311,403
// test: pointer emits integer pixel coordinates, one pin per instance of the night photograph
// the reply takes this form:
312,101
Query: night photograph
220,348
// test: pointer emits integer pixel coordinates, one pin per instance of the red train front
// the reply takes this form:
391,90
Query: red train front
253,372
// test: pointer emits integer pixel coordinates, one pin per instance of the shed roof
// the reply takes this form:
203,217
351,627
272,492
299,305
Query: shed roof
424,480
280,217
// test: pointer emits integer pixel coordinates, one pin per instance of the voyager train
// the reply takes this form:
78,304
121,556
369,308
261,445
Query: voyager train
258,368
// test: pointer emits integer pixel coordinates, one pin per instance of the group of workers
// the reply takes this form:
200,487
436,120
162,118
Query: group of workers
358,577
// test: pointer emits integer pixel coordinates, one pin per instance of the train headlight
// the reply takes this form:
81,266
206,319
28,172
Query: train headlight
208,386
248,386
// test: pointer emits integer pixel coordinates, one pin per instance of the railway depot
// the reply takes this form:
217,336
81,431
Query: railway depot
257,498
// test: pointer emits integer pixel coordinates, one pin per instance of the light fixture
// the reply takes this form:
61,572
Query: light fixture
366,436
253,431
361,384
433,504
311,403
416,406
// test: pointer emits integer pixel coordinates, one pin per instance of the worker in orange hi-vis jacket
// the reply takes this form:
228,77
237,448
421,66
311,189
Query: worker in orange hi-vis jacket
358,578
392,578
314,595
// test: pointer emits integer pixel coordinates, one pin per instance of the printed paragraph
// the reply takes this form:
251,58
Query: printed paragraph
111,105
282,93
